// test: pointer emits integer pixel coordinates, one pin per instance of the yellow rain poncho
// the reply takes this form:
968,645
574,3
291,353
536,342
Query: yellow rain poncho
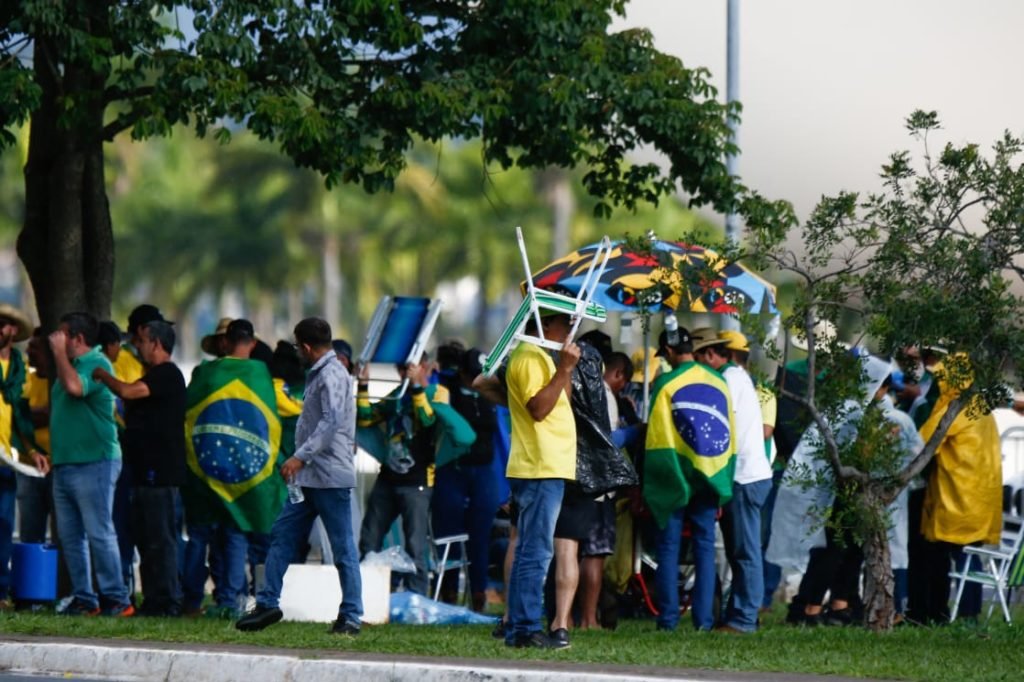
963,502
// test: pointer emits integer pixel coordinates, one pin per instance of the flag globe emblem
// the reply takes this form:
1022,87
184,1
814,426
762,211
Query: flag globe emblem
234,438
701,415
231,440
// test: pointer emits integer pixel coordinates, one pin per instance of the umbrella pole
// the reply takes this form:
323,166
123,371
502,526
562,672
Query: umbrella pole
647,384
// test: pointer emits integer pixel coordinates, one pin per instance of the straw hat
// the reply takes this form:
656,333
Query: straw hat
19,319
209,342
704,337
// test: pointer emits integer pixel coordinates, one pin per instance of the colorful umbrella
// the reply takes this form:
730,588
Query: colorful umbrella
631,277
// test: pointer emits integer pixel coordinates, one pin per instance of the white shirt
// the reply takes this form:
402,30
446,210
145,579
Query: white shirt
751,463
613,407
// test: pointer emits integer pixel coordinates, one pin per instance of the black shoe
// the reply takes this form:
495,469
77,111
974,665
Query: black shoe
838,617
499,630
346,628
560,638
538,640
259,618
80,608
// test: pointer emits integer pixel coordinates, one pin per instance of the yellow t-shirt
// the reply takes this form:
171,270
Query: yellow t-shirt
544,449
127,367
287,406
37,392
769,405
6,413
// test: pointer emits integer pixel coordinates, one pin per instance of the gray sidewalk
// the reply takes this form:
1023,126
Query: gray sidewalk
134,660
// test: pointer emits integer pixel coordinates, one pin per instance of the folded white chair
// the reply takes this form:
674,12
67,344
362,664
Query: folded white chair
579,308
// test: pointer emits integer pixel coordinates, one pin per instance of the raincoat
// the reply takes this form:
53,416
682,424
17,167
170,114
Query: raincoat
796,525
963,501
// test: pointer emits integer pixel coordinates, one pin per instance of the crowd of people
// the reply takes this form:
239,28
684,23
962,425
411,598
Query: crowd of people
260,442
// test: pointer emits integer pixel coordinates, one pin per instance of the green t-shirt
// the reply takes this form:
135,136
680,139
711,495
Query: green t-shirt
82,430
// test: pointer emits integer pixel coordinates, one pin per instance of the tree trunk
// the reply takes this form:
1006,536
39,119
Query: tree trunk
879,602
66,241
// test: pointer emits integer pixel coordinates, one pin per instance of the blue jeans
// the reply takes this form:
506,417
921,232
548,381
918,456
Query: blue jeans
227,548
745,556
8,494
122,515
289,535
772,572
83,498
539,501
465,501
701,512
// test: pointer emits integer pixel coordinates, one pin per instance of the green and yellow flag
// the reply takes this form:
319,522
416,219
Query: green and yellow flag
233,436
690,445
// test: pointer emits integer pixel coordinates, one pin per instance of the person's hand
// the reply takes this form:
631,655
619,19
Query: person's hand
291,467
41,461
364,373
568,356
59,342
419,374
98,373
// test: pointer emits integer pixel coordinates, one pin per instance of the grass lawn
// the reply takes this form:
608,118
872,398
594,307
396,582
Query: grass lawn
957,653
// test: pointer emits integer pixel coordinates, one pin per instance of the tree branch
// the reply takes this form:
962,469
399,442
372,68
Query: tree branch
918,464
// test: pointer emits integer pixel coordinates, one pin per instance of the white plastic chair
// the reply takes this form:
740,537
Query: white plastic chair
578,308
997,562
442,564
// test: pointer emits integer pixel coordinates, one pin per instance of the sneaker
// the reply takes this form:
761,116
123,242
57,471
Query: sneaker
259,618
838,617
80,608
223,613
538,640
499,630
559,637
346,628
120,611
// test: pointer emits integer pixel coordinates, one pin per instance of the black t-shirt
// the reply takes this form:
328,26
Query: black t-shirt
154,436
482,415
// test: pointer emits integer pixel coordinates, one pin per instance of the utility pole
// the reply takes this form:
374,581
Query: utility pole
732,94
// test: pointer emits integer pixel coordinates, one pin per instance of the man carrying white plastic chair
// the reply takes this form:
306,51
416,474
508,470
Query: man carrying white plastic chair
542,458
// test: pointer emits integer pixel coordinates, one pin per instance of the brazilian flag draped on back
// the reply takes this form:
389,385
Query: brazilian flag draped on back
233,435
690,445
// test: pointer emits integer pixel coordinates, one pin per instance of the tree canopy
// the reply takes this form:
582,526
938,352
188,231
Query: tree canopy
343,88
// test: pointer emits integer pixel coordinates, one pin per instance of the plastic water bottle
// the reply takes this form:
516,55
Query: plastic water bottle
672,329
295,495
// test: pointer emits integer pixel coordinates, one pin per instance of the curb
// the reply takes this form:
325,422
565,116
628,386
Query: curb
172,665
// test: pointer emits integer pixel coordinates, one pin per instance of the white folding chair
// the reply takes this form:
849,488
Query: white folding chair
997,562
578,308
442,564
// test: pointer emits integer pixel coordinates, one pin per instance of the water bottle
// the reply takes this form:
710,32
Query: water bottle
671,329
295,495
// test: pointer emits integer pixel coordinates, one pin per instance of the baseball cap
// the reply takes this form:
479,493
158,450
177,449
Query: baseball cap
685,344
145,313
734,340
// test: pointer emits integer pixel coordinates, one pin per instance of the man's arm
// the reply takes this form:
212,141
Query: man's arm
66,374
541,404
491,388
132,391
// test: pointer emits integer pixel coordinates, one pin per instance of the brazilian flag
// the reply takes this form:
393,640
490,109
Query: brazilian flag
233,436
690,448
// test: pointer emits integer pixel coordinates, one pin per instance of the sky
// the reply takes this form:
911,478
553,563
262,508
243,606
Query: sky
827,84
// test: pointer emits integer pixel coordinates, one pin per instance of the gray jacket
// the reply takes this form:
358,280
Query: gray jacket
325,433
